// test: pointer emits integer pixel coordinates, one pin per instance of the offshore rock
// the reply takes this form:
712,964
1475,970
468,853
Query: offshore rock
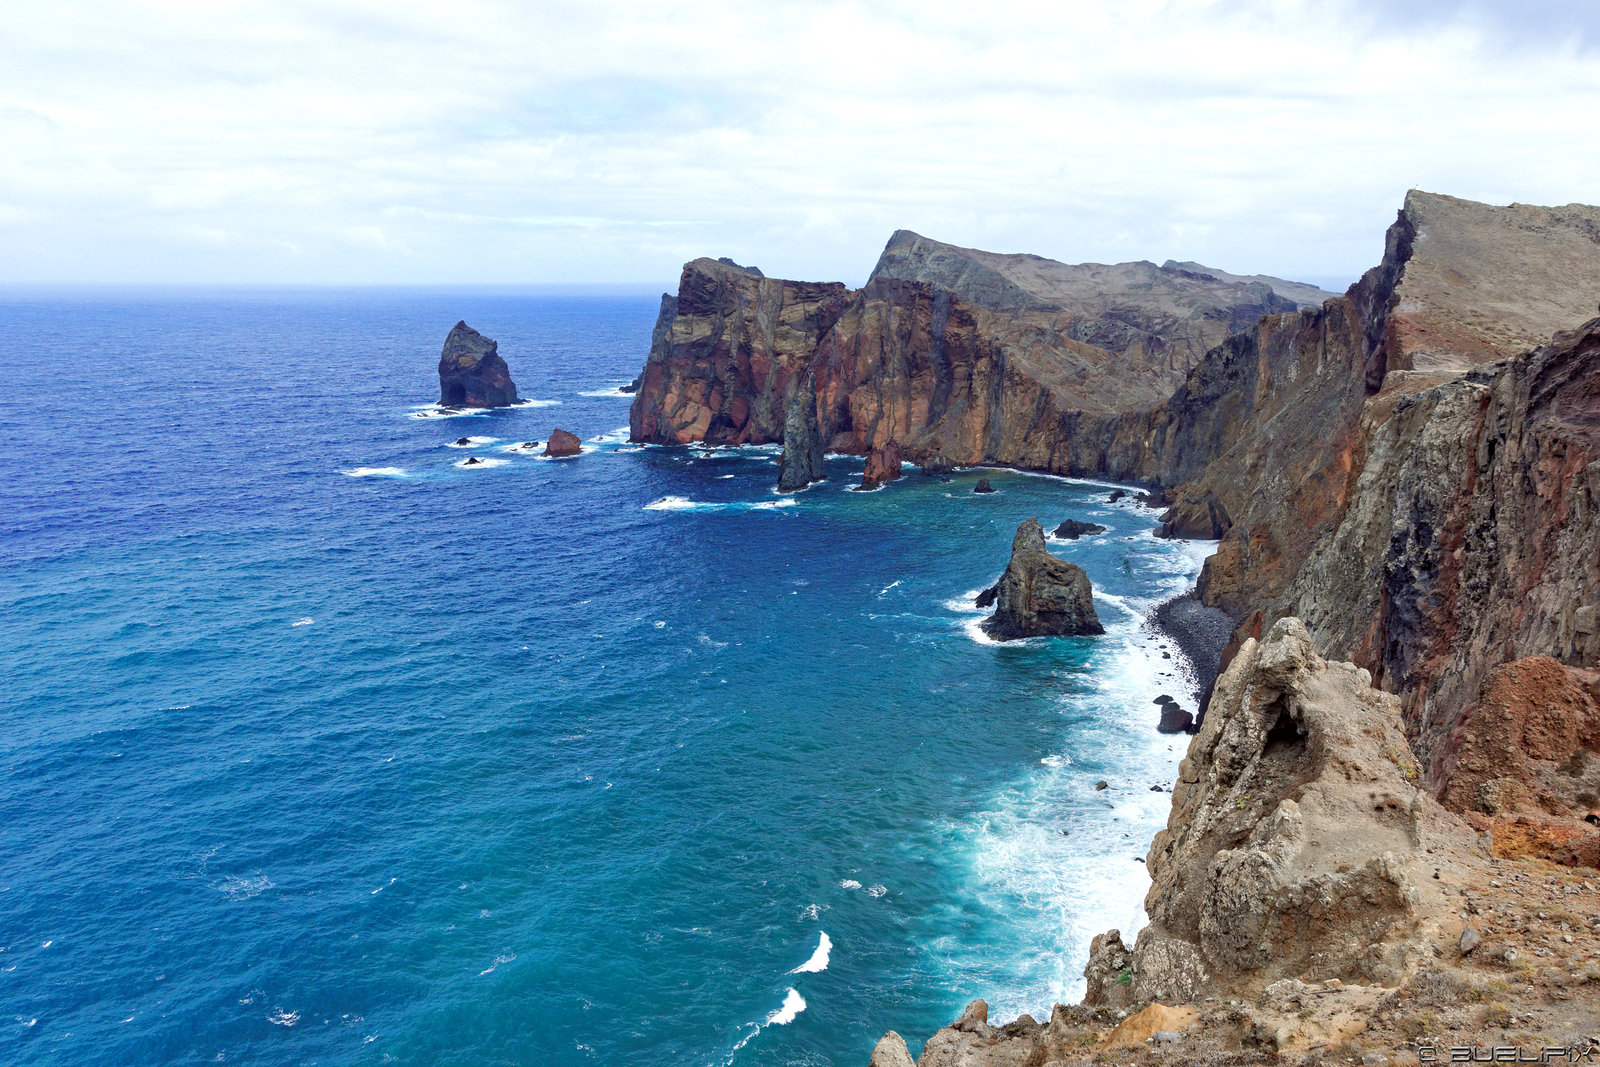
1299,842
1073,529
562,443
983,486
471,372
1040,595
802,461
938,465
1174,719
883,465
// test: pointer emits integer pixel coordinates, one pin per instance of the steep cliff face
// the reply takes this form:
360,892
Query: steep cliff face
725,355
1441,522
946,351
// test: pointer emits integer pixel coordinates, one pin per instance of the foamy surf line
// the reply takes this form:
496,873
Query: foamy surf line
683,503
1060,859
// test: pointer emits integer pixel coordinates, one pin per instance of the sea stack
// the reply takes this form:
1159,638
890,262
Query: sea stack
1073,529
802,440
1039,595
883,465
471,372
562,443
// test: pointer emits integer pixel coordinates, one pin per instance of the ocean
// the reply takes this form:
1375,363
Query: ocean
319,747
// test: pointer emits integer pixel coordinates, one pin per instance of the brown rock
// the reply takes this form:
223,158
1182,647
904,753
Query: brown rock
883,465
562,443
1040,595
1140,1027
1298,841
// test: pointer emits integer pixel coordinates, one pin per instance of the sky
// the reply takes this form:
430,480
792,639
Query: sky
476,142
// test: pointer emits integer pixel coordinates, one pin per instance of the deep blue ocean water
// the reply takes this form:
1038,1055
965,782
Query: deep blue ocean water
317,747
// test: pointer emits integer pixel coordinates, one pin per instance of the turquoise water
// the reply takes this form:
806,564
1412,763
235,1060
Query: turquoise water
320,748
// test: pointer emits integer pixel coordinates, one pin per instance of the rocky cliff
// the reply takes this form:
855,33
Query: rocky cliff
1410,470
949,352
471,372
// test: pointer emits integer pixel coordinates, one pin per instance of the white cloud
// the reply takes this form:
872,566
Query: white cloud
502,142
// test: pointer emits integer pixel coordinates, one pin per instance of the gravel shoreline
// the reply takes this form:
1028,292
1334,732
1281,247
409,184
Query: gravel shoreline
1201,633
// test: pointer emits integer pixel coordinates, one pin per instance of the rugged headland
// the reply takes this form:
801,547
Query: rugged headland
1382,833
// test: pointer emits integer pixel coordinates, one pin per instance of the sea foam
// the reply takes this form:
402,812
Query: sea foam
819,959
793,1005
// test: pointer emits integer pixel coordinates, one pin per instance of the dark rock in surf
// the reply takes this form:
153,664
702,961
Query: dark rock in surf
1072,529
1174,720
562,443
471,372
1116,495
802,441
983,486
1040,595
938,466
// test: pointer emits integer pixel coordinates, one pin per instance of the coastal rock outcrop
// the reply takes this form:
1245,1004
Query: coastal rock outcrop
563,443
1039,595
471,372
802,461
945,350
1073,529
883,465
1300,842
982,486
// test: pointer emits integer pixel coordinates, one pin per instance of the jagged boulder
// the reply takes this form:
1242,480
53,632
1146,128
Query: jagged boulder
563,443
1299,842
883,465
983,486
471,372
1039,595
1073,529
802,461
938,465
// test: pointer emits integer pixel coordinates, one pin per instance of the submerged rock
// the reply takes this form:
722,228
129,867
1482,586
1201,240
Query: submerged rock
983,486
1040,595
883,465
562,443
1072,529
802,441
471,372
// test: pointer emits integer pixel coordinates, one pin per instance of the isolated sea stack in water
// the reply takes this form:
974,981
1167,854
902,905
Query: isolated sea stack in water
883,465
802,440
562,443
471,372
1039,595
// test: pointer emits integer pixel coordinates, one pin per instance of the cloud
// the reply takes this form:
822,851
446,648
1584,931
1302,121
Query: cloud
502,142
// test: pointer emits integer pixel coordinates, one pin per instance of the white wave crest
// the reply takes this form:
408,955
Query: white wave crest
468,464
376,472
849,883
615,392
536,404
819,959
468,442
793,1005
